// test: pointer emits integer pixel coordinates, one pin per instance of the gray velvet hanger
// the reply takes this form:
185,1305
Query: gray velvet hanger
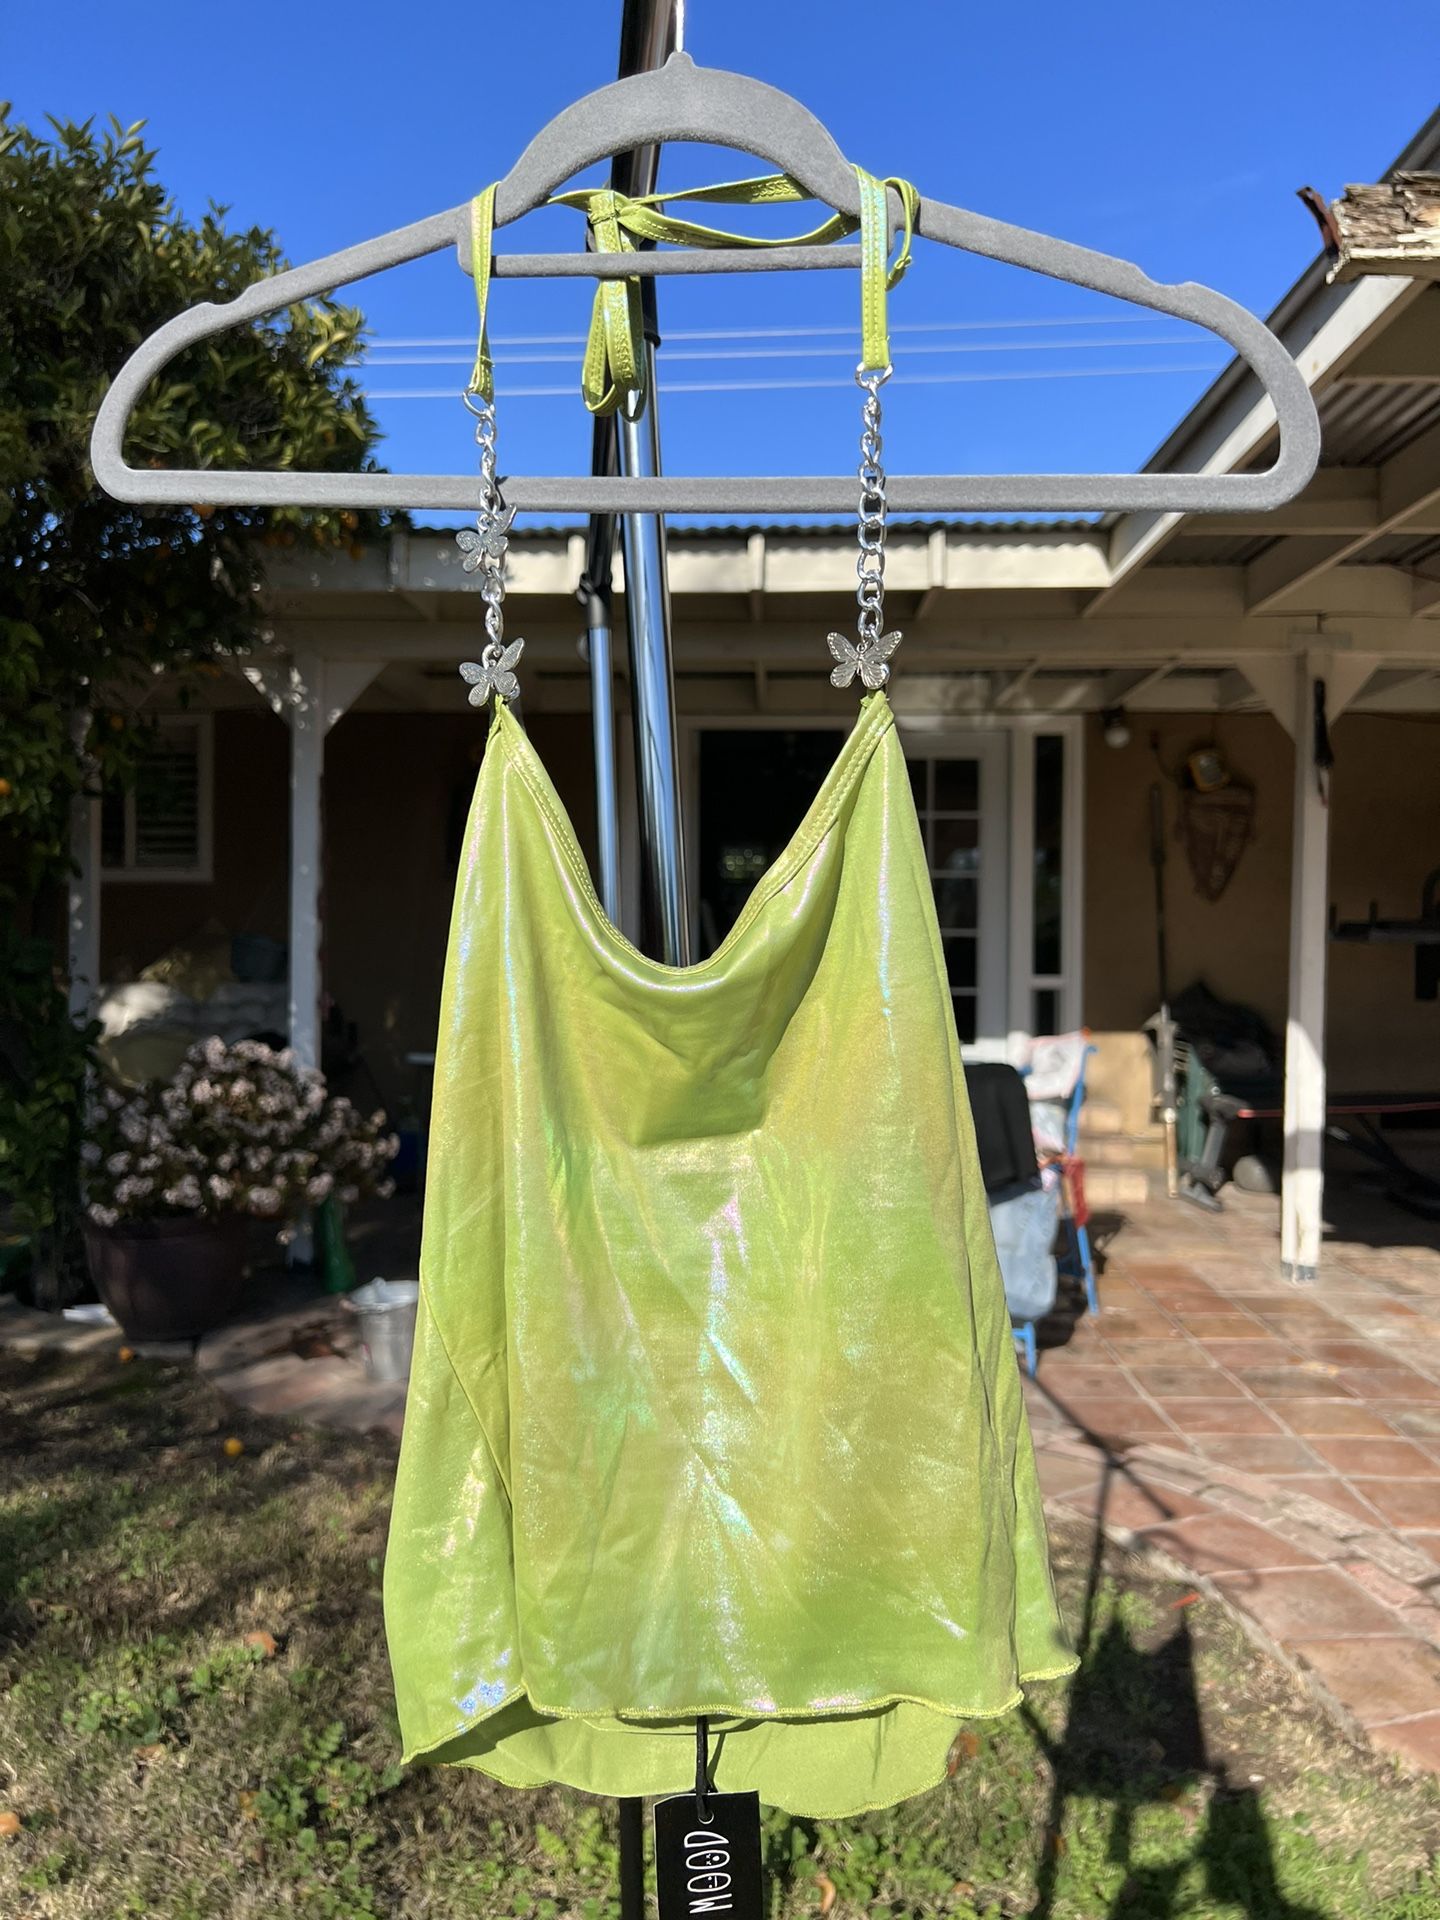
681,101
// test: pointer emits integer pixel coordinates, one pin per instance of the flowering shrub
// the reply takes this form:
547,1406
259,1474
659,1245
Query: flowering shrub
239,1129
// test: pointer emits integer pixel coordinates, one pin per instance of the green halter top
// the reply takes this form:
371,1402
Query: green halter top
714,1407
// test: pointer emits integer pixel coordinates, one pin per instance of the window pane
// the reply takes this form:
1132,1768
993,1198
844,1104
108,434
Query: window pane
167,801
918,770
956,901
1049,792
956,847
960,959
755,786
112,830
957,786
965,1025
1046,1016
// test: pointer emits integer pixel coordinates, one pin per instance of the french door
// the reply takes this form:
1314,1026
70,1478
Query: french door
753,784
960,786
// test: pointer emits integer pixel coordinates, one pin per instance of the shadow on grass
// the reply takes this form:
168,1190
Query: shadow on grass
1119,1682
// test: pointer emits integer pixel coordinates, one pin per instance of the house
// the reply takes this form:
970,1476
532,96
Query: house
1053,674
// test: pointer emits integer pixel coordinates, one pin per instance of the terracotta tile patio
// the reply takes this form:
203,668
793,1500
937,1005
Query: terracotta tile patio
1281,1444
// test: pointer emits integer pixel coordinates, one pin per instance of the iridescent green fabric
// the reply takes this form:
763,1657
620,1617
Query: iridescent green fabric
714,1406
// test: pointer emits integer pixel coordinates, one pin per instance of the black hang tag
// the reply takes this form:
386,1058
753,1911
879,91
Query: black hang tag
708,1868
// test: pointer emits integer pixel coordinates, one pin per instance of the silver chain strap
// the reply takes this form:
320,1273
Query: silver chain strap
869,656
485,546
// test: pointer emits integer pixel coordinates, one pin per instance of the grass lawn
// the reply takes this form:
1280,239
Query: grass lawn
196,1724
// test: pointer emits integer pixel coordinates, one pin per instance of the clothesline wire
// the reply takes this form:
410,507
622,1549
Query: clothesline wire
846,351
762,386
383,345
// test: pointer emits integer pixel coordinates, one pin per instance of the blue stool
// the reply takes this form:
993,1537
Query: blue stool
1024,1338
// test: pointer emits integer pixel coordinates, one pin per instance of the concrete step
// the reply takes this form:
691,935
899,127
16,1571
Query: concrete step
1119,1187
1123,1150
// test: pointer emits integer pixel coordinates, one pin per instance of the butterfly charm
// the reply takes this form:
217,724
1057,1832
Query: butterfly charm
868,659
495,676
486,540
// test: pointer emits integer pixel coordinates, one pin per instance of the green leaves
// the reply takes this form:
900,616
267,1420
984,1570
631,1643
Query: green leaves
94,254
100,596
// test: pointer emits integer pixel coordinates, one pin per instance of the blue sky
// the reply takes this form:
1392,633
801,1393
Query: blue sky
1175,136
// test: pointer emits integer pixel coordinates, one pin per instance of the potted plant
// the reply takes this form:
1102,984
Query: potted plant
174,1169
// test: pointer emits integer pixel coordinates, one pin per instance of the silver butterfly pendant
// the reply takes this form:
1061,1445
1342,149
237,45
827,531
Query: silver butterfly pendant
495,676
870,659
486,540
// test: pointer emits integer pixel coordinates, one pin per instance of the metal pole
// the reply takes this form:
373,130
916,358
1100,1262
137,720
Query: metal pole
632,1859
650,31
594,595
652,698
602,708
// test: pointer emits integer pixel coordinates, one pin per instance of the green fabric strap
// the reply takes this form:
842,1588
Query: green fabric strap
613,371
482,232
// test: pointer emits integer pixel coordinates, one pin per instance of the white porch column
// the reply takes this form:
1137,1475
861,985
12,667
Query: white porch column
306,714
82,907
309,692
1302,1189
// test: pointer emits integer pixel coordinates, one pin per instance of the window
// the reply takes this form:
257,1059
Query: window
159,828
755,786
947,799
1049,883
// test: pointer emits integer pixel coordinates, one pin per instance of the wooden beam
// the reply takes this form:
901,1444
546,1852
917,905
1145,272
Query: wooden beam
1390,681
1291,563
1408,484
1408,350
925,605
1122,686
1150,645
1346,673
1337,500
1411,480
1273,680
755,559
1222,439
345,681
1018,682
1233,690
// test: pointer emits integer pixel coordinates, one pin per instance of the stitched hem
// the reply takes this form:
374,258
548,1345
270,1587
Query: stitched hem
799,1810
728,1709
490,1765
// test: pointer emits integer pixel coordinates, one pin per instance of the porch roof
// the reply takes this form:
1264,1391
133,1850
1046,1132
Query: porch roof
1153,610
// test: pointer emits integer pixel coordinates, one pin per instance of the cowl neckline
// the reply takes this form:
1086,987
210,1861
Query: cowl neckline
509,739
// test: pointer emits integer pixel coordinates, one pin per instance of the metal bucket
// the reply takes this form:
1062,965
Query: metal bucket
387,1310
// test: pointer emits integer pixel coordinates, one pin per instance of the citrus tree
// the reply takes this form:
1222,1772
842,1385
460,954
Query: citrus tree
98,595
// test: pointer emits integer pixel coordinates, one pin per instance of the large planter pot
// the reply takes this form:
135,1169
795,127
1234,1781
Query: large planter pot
168,1279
